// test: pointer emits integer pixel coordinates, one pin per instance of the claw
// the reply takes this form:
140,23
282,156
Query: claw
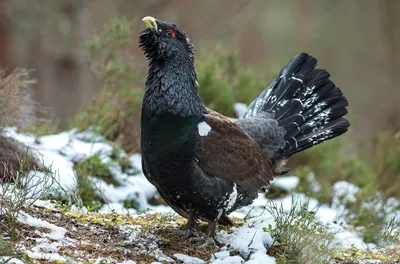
190,226
203,242
184,233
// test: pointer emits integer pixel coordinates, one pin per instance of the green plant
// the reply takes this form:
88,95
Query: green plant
94,166
374,167
115,112
6,248
223,81
385,157
86,190
299,237
372,216
390,233
85,194
329,163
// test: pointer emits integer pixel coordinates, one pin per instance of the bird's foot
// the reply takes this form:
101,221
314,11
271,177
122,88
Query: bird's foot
189,229
207,242
184,233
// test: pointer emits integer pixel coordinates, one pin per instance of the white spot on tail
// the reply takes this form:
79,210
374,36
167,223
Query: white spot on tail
297,79
232,198
204,129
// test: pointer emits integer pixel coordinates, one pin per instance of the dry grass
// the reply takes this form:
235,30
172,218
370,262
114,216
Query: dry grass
17,107
12,84
22,188
355,256
14,158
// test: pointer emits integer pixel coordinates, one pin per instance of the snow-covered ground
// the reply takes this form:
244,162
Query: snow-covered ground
60,151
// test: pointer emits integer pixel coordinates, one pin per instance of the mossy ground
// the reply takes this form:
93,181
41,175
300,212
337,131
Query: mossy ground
100,236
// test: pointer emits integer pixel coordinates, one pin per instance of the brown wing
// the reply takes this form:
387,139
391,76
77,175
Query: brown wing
229,153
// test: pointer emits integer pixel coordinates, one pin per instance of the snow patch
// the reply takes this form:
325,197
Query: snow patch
145,244
60,151
343,193
45,256
287,183
188,260
9,260
57,233
229,260
251,242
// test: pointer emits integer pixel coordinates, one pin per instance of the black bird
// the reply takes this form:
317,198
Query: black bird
206,165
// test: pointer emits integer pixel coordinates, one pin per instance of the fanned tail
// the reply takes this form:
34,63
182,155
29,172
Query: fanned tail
306,103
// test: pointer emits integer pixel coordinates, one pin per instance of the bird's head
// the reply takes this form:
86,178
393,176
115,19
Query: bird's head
162,40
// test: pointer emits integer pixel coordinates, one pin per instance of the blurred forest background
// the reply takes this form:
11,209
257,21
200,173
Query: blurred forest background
357,41
88,73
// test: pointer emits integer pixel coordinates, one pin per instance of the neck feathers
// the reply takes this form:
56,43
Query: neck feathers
171,89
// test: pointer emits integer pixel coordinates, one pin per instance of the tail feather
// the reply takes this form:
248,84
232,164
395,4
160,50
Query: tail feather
306,103
314,137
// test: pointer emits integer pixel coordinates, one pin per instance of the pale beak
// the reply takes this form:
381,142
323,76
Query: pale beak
150,22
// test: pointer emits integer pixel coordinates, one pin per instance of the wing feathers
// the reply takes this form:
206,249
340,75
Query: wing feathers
230,154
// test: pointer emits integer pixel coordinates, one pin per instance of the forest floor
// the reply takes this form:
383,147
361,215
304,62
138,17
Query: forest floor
122,220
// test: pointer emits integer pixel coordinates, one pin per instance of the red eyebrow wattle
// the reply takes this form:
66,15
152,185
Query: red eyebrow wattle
173,33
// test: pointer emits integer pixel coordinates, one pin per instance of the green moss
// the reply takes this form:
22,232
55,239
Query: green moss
90,198
95,167
131,204
6,248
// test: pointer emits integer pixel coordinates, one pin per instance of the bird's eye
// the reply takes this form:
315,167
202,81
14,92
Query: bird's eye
170,33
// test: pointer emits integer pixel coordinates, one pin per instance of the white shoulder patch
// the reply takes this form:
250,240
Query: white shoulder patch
204,128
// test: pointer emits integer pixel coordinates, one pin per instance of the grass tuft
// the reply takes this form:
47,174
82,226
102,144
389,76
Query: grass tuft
23,188
13,97
374,218
299,237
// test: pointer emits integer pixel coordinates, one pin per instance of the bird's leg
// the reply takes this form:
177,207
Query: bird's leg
209,240
190,226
